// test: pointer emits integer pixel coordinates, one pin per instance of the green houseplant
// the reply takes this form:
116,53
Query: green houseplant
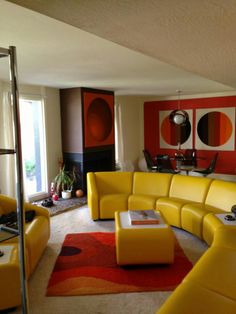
64,182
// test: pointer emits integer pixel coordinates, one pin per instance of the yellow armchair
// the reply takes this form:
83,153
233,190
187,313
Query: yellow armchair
37,233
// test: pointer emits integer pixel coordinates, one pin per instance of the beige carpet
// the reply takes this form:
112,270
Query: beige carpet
78,220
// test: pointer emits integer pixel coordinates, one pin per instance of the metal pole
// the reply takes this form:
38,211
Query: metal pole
19,176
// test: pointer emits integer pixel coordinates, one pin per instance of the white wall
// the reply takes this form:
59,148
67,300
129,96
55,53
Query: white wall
52,124
130,137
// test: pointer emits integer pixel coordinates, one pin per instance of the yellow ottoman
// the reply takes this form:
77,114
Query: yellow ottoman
10,277
143,244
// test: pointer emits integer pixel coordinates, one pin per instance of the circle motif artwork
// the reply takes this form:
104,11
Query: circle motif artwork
174,134
99,119
214,128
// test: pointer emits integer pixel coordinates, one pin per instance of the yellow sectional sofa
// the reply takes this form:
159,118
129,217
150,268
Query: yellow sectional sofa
37,233
210,286
193,204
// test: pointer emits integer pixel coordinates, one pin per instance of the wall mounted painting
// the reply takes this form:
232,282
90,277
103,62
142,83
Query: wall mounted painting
98,113
215,129
171,134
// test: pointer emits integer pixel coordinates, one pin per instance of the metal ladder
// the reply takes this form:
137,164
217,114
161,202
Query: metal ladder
17,151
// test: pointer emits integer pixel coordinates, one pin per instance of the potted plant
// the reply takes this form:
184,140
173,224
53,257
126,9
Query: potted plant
64,182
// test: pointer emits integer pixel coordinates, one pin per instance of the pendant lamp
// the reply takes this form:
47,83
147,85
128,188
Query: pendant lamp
178,116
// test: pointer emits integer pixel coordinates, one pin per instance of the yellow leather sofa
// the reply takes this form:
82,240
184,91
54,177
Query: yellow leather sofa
210,286
190,203
37,233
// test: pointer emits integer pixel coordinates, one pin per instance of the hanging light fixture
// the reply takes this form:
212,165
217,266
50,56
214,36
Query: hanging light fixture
178,116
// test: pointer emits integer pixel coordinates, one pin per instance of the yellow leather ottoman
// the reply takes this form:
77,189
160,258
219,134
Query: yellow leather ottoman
10,295
143,244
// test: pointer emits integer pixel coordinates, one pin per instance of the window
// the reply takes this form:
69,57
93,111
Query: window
33,147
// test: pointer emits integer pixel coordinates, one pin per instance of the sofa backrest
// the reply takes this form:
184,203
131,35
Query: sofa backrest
148,183
189,188
114,182
221,194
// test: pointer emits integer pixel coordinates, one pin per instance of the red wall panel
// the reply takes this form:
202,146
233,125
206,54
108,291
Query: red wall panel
226,162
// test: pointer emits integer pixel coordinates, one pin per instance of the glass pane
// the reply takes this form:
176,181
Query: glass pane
33,146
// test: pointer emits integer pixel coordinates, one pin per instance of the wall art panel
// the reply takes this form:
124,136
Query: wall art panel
98,111
215,129
171,135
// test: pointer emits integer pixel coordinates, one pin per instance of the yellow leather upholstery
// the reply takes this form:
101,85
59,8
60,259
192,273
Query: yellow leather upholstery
210,287
147,188
170,208
192,204
10,280
143,245
108,192
192,298
183,190
210,224
110,203
221,195
189,188
192,218
37,233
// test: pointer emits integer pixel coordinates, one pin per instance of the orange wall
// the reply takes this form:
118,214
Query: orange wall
226,159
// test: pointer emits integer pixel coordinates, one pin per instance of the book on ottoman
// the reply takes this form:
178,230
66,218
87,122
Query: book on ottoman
143,217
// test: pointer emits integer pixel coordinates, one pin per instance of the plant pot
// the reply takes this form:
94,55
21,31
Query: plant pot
66,194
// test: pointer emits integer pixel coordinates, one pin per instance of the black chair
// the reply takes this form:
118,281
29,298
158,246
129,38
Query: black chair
150,162
190,158
210,169
164,164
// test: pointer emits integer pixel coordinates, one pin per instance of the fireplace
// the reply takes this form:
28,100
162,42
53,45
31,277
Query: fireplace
87,117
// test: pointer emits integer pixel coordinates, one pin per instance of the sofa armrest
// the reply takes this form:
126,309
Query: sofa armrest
225,237
39,211
92,196
8,204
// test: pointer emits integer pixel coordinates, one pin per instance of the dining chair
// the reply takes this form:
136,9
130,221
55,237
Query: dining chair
210,169
149,161
164,164
190,158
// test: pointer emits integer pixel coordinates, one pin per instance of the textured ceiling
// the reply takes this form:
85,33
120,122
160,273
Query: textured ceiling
187,41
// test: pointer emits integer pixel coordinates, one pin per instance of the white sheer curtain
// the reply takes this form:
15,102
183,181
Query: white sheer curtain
118,135
125,165
7,162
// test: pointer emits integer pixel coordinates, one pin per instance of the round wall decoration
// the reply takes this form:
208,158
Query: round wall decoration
214,128
99,119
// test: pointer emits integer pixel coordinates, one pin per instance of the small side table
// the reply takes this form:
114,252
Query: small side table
211,222
10,290
143,244
221,217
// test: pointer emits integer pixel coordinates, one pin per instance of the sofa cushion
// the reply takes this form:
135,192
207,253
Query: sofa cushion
155,184
111,203
170,207
189,188
192,218
216,271
141,201
114,182
221,195
210,224
192,298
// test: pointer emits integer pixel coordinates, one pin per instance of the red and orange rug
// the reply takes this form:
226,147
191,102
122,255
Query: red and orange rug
87,265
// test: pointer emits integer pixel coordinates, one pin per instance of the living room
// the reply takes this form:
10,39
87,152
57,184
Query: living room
141,76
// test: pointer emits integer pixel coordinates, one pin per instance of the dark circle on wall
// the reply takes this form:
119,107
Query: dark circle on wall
185,131
174,134
214,128
99,119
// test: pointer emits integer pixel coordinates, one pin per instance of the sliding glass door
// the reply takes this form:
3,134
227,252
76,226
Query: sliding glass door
33,147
